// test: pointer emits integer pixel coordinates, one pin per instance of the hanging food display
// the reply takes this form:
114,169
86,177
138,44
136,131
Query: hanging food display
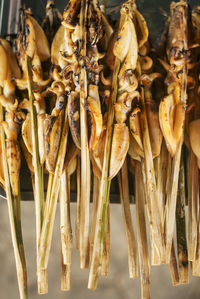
80,95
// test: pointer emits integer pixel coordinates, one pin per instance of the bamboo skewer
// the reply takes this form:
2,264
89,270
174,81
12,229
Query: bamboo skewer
66,231
94,213
181,99
155,258
106,249
85,159
65,275
155,221
160,164
27,48
105,182
173,266
130,236
181,229
104,190
14,218
65,220
142,234
195,265
49,215
49,188
38,179
161,176
77,224
65,223
193,195
171,201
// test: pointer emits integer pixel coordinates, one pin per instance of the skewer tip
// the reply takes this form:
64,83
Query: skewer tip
42,281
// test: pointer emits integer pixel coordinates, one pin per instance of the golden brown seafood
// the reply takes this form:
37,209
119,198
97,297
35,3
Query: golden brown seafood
141,28
55,47
70,13
51,21
134,125
11,127
3,65
32,42
12,62
53,125
155,132
172,108
74,116
52,133
120,145
124,105
27,133
123,40
8,68
177,35
42,45
152,112
27,126
96,122
171,122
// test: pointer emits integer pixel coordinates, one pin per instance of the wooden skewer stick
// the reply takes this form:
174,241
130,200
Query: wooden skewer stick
173,267
171,201
49,215
65,275
78,199
85,158
154,212
94,212
104,190
128,224
161,175
65,222
195,265
38,179
66,231
14,218
106,249
193,195
141,232
181,229
179,12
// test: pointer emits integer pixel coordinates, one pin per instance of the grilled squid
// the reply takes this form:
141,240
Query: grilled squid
53,125
27,127
31,42
126,50
11,127
51,21
8,69
172,107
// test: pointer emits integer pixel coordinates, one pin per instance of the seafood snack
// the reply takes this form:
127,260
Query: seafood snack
91,105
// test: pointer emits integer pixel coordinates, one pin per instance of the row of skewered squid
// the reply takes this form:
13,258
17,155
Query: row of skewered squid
81,96
11,120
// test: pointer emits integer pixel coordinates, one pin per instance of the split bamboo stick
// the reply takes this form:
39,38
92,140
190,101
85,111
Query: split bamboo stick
142,233
85,158
128,224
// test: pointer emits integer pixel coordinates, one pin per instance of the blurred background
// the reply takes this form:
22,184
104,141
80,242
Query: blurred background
116,285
